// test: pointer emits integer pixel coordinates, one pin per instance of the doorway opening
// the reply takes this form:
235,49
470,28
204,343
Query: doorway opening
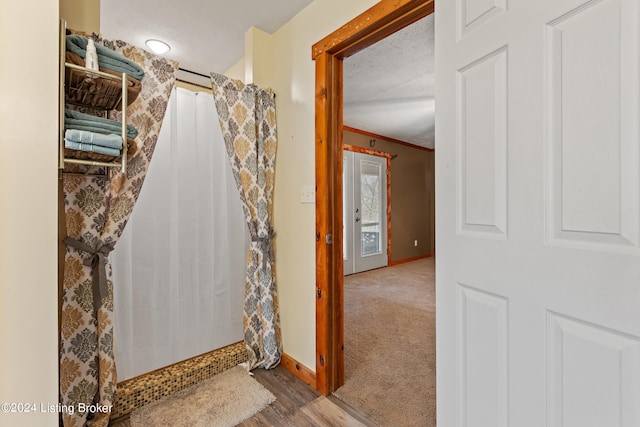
373,25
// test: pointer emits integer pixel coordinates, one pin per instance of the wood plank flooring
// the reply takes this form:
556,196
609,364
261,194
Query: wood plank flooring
296,405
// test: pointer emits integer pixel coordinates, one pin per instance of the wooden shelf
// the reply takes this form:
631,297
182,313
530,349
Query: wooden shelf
74,79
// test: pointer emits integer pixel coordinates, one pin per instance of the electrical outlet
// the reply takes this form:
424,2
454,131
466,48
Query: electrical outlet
307,194
415,243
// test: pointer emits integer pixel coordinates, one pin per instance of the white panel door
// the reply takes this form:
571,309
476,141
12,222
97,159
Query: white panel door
365,212
538,213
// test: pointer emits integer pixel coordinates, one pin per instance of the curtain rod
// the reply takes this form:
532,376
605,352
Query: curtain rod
193,72
194,84
201,75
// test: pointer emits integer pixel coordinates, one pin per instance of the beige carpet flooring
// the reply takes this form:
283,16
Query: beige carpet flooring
224,400
390,344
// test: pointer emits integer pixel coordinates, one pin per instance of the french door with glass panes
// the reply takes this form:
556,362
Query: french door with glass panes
365,212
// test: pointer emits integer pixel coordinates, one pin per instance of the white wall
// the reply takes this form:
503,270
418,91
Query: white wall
28,208
292,74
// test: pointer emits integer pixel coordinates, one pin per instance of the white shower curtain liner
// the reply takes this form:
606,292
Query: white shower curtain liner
180,263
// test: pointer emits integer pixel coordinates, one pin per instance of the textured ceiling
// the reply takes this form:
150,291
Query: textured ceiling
204,35
389,87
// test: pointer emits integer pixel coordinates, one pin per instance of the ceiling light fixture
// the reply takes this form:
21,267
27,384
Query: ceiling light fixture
158,46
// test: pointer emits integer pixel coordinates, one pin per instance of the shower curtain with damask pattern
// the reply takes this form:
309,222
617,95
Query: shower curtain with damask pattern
97,210
248,121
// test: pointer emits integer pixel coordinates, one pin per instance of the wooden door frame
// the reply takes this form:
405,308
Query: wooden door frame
376,23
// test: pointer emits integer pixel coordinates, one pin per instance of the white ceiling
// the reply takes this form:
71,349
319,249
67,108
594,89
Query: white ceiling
204,35
388,87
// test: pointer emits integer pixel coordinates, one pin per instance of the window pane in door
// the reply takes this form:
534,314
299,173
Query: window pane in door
371,204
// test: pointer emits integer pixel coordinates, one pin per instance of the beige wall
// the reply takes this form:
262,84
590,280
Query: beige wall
258,58
81,15
412,196
28,206
293,80
236,71
28,193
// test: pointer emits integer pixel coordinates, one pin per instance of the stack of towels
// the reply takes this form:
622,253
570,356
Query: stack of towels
96,134
95,91
107,58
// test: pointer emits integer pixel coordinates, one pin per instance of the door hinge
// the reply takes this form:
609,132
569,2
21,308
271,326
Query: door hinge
329,239
319,293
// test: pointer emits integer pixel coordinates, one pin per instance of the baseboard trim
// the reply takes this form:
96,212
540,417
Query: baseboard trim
299,370
415,258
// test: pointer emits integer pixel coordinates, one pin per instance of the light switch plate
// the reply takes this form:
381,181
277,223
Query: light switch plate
307,194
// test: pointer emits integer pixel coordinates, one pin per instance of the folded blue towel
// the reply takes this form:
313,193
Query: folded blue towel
107,58
86,137
76,120
93,148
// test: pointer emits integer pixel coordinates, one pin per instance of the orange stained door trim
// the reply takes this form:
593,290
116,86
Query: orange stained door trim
376,23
